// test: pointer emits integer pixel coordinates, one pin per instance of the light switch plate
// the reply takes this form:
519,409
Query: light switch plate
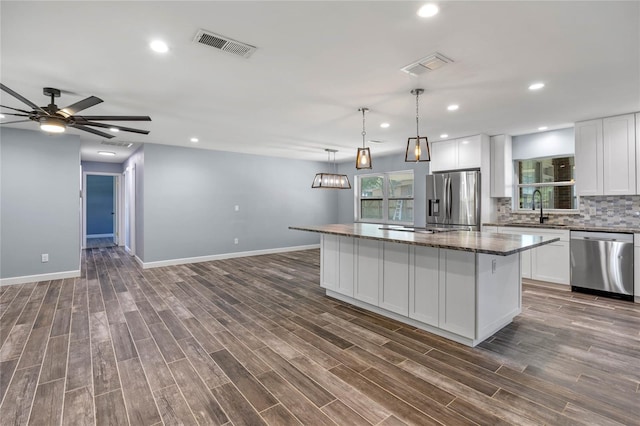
45,257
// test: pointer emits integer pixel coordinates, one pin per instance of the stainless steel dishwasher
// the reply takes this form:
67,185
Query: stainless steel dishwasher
602,262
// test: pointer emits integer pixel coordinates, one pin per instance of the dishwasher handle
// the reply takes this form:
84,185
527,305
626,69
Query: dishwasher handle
602,236
597,239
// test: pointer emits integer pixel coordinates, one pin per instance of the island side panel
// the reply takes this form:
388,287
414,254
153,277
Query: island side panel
499,292
394,291
329,266
368,271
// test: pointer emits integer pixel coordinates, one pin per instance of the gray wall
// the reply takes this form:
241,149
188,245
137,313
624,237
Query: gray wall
190,194
40,203
544,144
100,167
100,204
388,163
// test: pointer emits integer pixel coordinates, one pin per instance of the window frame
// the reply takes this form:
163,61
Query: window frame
385,198
517,185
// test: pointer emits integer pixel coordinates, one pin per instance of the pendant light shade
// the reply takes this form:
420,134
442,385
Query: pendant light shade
418,147
331,180
363,159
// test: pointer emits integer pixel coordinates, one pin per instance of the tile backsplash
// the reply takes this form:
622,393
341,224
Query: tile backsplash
601,211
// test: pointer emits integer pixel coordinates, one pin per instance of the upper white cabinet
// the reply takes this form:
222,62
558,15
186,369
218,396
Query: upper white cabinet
501,166
637,153
456,154
605,155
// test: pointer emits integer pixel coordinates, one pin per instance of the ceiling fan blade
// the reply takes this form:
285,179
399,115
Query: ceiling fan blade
109,126
15,109
12,122
22,98
79,106
17,115
114,118
90,130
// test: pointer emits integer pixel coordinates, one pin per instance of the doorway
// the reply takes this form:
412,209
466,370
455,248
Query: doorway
101,218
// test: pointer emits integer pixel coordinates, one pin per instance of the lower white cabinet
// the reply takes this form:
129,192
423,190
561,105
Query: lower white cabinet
337,271
456,299
367,271
636,268
424,285
550,262
394,291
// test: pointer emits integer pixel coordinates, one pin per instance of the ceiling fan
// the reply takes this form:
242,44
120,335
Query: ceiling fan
56,120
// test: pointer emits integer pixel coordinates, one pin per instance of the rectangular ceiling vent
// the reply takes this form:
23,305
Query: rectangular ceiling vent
426,64
223,43
121,144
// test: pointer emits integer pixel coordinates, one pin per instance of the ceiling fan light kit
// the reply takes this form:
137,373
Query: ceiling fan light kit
55,120
52,124
417,147
363,158
331,180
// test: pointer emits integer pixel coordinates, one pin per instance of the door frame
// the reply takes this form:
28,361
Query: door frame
118,229
128,194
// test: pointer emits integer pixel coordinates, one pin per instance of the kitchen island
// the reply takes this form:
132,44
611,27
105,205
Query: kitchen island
460,285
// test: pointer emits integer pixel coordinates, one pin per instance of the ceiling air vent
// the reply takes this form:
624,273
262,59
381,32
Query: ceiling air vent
223,43
121,144
426,64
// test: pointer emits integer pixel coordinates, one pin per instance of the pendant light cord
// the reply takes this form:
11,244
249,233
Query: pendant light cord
363,128
417,126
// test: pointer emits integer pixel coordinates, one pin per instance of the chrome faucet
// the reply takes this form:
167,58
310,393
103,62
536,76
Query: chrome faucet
533,205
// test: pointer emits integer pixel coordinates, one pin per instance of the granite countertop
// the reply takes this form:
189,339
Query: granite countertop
569,227
477,242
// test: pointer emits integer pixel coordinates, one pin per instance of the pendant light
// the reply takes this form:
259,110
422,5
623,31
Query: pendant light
418,147
331,180
363,159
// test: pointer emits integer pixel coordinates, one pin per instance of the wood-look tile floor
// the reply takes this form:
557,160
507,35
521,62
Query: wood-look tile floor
253,340
99,242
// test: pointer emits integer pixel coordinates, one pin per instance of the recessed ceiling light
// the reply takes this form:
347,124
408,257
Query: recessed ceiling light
2,116
453,107
384,125
114,129
428,10
194,140
542,128
159,46
536,86
444,135
107,153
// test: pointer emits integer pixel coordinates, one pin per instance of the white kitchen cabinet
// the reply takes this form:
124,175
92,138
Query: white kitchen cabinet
367,271
605,156
346,258
638,153
424,285
636,268
394,291
329,258
619,143
493,229
501,166
550,262
456,154
588,158
456,299
444,155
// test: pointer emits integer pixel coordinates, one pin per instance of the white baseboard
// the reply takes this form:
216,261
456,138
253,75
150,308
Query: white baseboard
37,278
171,262
140,262
99,235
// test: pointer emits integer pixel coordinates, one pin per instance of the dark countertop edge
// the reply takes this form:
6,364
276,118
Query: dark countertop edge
565,227
426,244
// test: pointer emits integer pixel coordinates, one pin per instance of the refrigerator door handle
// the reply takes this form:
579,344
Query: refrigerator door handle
450,200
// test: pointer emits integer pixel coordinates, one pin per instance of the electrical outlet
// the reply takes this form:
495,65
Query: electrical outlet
45,257
235,241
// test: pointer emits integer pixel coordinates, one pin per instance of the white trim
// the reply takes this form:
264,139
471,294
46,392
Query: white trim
37,278
118,228
140,262
199,259
99,235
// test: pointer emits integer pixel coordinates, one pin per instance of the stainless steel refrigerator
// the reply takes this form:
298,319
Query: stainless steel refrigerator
453,200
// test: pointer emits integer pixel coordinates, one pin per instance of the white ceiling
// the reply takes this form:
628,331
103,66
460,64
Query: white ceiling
317,62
